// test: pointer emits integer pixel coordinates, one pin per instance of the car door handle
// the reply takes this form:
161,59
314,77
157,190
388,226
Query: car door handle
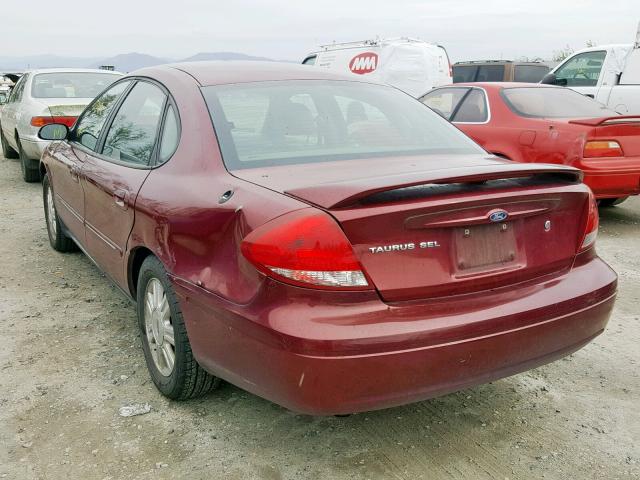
590,95
120,198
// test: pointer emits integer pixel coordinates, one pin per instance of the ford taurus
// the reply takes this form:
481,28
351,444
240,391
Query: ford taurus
329,244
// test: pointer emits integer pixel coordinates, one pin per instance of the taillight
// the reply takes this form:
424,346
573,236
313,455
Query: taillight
307,248
591,229
602,148
43,120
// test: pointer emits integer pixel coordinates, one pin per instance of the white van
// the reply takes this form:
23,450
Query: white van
411,65
608,73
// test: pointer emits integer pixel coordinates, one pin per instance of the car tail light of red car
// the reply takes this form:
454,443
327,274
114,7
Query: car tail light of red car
41,121
305,248
602,148
591,229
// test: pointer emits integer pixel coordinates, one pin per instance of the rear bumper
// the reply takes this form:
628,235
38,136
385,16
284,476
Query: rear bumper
345,356
612,177
33,147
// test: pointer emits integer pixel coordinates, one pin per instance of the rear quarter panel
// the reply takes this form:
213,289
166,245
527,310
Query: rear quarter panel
178,214
500,135
523,139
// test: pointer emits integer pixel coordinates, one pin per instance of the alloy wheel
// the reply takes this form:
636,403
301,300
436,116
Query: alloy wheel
159,328
51,213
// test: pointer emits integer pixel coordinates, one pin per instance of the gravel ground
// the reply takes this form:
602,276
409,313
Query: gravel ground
71,357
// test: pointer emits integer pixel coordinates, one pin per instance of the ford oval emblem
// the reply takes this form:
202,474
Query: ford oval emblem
498,215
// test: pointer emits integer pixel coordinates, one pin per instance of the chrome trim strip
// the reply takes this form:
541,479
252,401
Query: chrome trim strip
102,237
69,208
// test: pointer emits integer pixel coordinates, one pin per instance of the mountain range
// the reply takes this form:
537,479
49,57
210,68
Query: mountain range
125,62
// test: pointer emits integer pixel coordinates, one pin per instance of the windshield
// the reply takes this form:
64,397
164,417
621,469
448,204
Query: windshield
71,84
545,102
293,122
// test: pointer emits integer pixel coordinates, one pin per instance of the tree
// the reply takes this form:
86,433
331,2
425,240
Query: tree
560,55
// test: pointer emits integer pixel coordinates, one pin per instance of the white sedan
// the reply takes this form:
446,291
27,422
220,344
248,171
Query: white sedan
41,97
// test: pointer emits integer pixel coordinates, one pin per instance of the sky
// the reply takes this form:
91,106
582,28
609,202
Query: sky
288,30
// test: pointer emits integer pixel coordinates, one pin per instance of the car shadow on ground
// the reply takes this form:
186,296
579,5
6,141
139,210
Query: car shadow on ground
625,213
452,424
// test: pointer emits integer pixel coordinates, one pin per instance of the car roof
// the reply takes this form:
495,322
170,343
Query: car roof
71,70
235,71
607,46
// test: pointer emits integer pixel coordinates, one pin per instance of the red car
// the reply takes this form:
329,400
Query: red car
325,243
546,124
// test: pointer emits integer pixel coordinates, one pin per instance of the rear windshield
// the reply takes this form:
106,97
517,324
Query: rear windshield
70,85
543,102
478,73
529,73
464,73
295,122
490,73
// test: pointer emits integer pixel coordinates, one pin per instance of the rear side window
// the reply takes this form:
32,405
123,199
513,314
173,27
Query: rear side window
529,73
444,101
490,73
582,70
464,73
170,135
310,60
70,85
132,134
90,125
473,108
16,93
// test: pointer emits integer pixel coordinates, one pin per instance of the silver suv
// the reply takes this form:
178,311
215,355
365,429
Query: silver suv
41,97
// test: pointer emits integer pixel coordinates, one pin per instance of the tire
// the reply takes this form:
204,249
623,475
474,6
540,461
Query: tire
30,173
7,151
55,230
611,202
185,378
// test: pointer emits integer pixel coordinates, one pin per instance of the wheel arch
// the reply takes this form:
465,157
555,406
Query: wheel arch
136,257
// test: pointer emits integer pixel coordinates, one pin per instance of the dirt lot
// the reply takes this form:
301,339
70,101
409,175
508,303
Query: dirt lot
70,358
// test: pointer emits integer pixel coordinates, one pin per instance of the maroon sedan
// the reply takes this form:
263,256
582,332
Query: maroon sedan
329,244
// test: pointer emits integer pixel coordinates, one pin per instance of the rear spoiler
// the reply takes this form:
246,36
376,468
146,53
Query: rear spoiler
345,193
600,122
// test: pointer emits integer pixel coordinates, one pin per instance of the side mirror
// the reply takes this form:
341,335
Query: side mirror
551,79
53,131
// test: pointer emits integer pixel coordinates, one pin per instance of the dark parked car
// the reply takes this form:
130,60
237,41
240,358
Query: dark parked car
499,71
331,245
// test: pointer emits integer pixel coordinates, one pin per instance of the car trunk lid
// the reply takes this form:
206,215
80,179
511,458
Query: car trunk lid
446,231
623,129
67,107
464,238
